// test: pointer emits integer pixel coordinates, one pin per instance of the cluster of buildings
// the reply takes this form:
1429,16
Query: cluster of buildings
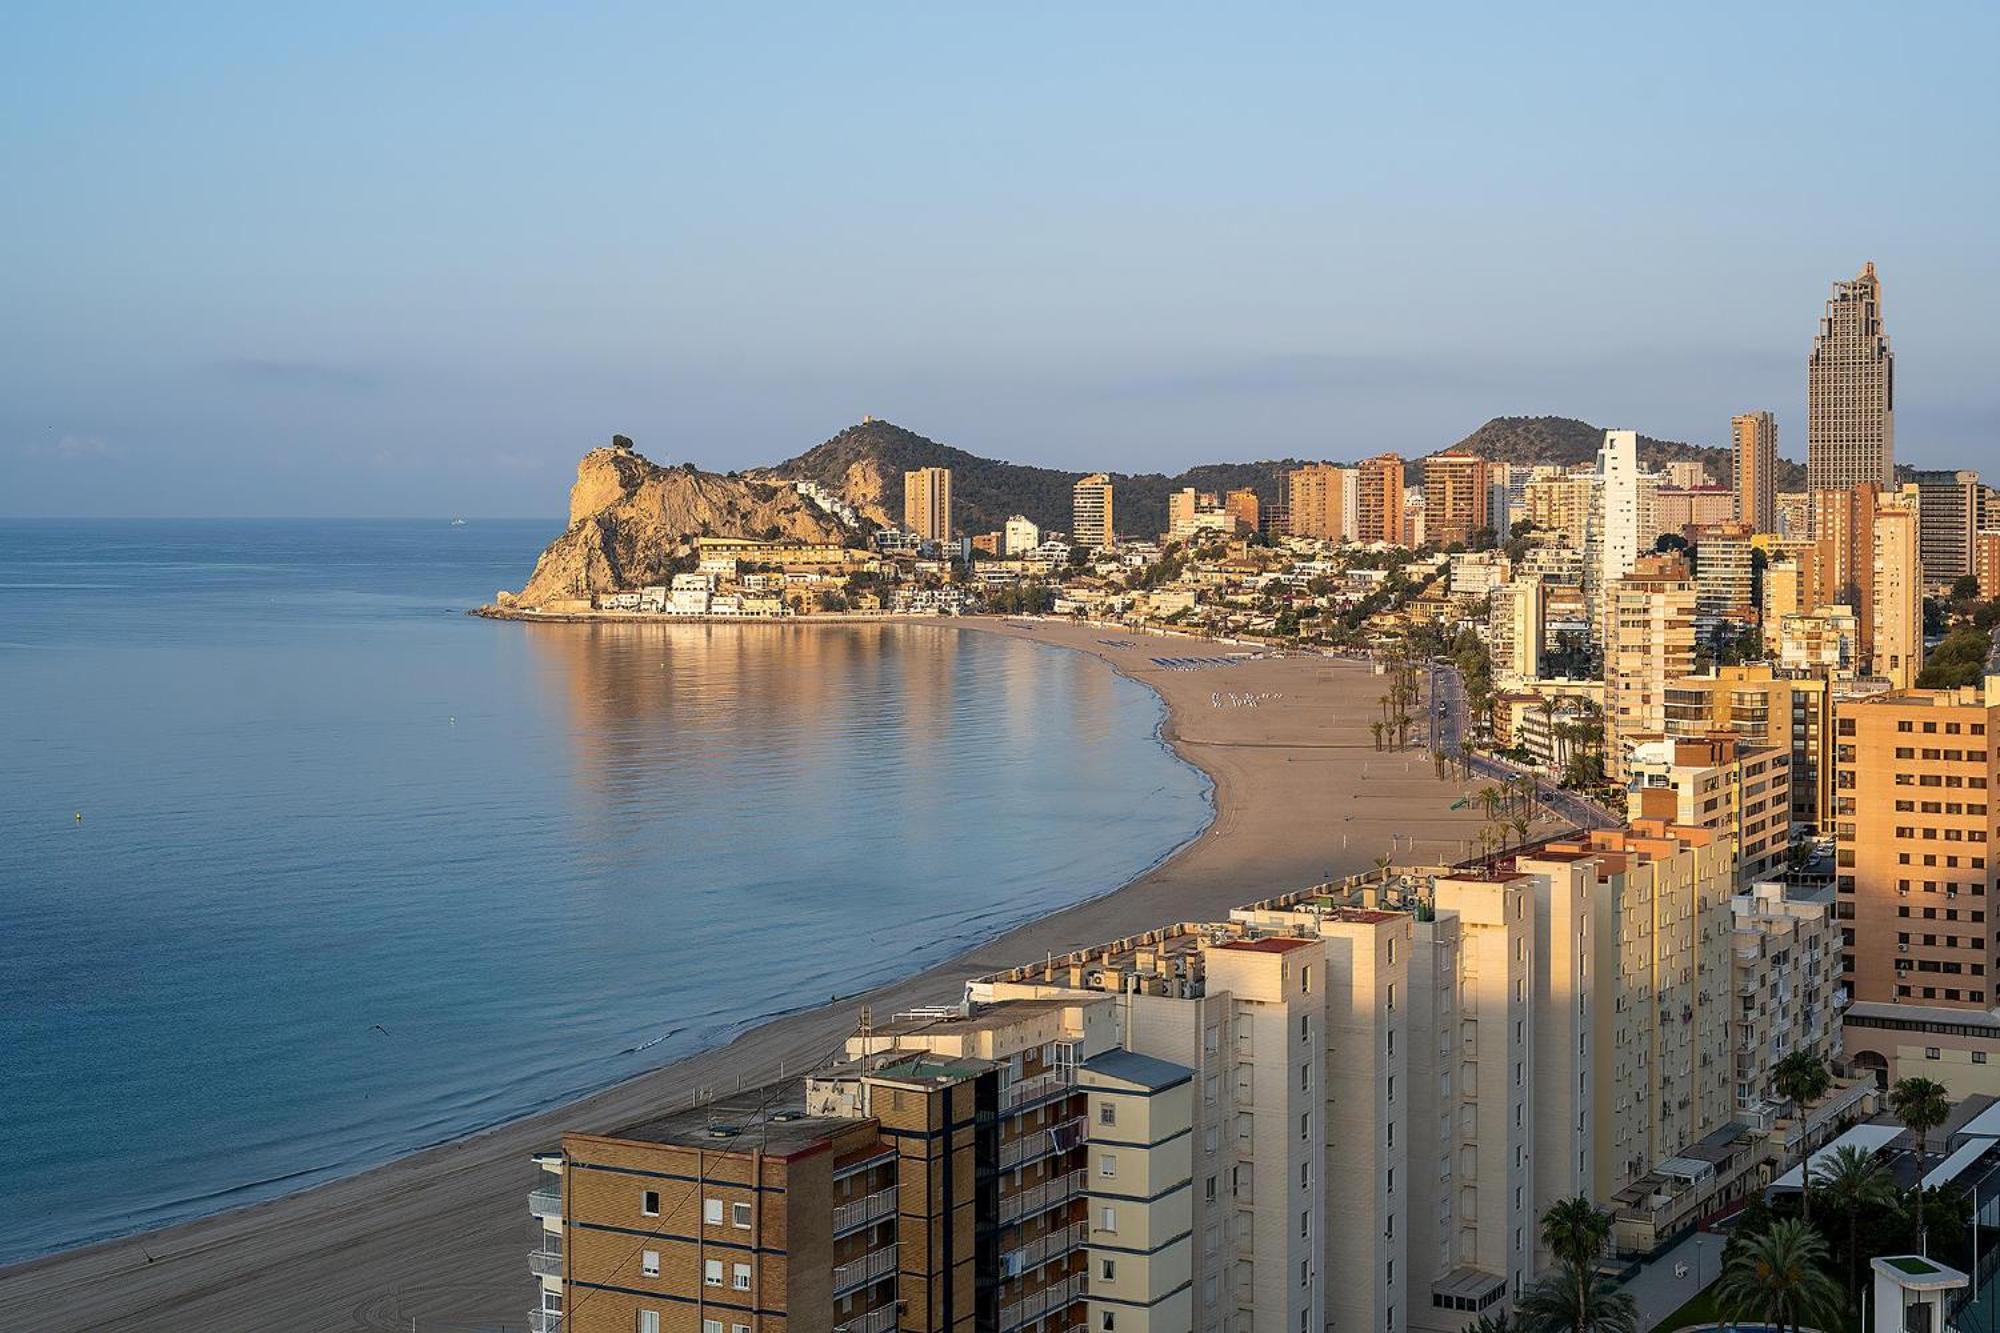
1342,1108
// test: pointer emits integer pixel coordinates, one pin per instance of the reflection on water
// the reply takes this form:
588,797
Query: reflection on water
359,873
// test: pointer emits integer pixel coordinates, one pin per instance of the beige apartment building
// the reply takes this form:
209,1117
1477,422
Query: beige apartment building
1948,514
927,503
1753,443
1092,524
1851,391
1686,510
1243,506
1826,641
1456,496
1559,501
1718,783
1379,506
1986,563
1792,586
1649,641
1515,623
1896,603
1764,705
1323,501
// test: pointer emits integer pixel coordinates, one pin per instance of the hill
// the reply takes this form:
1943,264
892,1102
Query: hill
866,463
1567,441
633,522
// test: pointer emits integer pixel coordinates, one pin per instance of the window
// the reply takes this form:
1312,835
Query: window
740,1279
1305,1272
649,1263
739,1328
1305,1027
711,1273
1108,1270
1306,1225
1107,1220
1305,1175
1208,1189
739,1215
711,1326
1392,997
649,1321
1306,979
1305,1078
711,1212
1107,1321
1107,1113
1107,1165
1932,1053
1392,1088
1979,1057
649,1203
1306,1127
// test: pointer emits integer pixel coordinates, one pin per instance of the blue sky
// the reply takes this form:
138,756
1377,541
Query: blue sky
274,259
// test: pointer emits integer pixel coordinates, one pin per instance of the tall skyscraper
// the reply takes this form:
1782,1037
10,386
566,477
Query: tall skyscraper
1614,538
927,503
1379,516
1091,521
1649,640
1455,498
1851,391
1753,436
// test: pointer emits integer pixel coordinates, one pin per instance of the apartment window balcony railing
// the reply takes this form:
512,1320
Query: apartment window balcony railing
546,1200
1026,1091
546,1261
850,1217
1043,1249
544,1321
1033,1147
875,1321
1030,1308
858,1273
1040,1198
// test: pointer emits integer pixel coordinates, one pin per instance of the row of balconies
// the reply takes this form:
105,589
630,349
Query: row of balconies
1042,1249
1037,1145
869,1268
849,1217
1040,1198
1029,1308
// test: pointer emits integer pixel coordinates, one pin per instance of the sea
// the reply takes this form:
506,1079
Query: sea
302,868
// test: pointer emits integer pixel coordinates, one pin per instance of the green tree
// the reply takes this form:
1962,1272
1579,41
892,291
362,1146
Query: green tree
1801,1078
1852,1181
1779,1278
1922,1105
1965,588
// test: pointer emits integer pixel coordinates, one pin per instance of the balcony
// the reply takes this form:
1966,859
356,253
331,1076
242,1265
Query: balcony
546,1261
1028,1309
544,1321
858,1273
1040,1198
1040,1251
546,1200
849,1217
1033,1147
1024,1092
875,1321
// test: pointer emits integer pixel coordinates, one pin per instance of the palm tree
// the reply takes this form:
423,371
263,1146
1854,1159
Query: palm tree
1922,1105
1801,1078
1489,798
1779,1278
1853,1181
1494,1323
1520,824
1376,728
1574,1299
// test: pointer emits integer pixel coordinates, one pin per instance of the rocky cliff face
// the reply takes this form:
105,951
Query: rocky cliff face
631,520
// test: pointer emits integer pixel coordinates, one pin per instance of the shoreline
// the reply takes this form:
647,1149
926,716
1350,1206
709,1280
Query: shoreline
435,1235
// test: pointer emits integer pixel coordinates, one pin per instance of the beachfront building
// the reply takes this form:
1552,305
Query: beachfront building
1019,537
1091,518
1617,529
1323,500
1380,507
1514,629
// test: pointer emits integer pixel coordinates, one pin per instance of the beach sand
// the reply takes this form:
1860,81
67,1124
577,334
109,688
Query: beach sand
441,1237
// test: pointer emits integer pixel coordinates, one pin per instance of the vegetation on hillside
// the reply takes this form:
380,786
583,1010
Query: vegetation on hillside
1567,441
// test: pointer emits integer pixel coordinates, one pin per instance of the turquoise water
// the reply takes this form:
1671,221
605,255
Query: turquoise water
356,873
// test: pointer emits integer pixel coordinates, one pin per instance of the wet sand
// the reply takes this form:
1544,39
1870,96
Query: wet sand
441,1237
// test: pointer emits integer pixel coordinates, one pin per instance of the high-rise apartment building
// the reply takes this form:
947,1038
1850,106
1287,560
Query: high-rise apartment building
1558,501
1686,511
1986,563
1851,391
1018,536
1764,706
1379,507
1319,496
1649,641
1753,442
1787,966
927,503
1615,528
1792,584
1916,831
1948,510
1725,579
1515,622
1896,594
1826,640
1091,520
1716,782
1455,498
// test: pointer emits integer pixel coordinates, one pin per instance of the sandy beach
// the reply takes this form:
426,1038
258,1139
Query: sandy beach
440,1237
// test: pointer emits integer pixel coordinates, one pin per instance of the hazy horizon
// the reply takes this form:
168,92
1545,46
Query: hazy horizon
414,263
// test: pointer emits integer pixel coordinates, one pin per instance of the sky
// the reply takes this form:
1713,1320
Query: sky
415,259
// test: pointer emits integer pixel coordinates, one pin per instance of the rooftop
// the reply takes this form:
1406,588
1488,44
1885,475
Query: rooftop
1270,944
768,1120
1143,1070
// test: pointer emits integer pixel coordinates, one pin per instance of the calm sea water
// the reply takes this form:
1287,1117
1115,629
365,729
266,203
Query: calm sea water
356,873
